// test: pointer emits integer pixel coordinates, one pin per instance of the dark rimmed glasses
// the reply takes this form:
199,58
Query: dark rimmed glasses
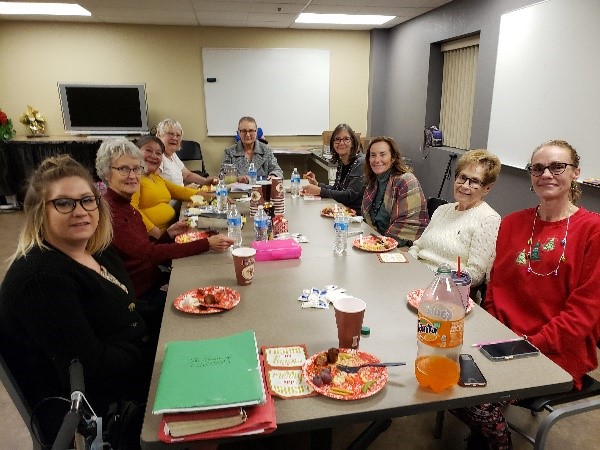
474,183
345,139
67,205
555,168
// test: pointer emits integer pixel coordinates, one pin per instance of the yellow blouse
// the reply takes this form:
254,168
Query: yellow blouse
152,200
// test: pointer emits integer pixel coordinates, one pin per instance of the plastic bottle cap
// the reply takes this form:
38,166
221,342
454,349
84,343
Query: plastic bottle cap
365,331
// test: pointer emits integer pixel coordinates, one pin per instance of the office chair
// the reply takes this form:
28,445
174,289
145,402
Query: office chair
560,406
433,203
191,156
17,397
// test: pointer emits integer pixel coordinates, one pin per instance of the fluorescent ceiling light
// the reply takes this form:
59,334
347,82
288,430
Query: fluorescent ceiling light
46,9
343,19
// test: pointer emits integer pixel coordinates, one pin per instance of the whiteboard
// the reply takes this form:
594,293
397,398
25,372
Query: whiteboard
546,83
285,89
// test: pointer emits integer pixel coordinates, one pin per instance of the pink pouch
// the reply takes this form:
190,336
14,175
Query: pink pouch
277,249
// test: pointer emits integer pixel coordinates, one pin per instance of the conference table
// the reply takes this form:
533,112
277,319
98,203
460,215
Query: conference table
270,307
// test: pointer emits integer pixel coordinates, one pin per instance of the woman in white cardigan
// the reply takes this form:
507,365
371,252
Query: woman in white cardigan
467,228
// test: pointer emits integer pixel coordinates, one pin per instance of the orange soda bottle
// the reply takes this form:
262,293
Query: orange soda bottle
439,333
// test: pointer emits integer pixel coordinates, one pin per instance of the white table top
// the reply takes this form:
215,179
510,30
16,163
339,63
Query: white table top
270,307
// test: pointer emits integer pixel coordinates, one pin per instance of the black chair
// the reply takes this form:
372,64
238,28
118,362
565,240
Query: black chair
433,203
191,156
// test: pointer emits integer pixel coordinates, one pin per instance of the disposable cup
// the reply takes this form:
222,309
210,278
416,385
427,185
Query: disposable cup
349,314
463,282
243,261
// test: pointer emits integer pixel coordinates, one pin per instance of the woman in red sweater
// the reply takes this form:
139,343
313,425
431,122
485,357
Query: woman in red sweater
546,277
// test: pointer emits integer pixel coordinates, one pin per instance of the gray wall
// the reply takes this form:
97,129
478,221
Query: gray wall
399,104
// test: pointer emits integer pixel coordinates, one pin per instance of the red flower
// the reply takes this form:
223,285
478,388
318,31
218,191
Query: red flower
3,118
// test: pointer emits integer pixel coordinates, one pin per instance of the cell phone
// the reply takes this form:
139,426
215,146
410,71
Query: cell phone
470,375
502,351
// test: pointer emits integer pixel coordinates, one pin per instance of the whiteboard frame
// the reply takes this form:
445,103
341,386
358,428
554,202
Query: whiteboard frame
285,89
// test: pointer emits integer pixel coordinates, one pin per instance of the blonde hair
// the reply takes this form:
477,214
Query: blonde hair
490,163
50,171
575,189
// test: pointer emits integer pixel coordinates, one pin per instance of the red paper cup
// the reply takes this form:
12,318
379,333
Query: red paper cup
243,261
349,314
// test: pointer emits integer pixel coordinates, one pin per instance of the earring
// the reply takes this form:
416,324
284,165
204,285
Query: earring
531,188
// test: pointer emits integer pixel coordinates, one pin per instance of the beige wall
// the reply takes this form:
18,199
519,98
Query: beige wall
37,55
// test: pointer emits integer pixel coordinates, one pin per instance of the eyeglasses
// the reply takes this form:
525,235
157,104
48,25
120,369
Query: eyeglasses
556,168
173,134
346,139
247,131
125,171
67,205
473,182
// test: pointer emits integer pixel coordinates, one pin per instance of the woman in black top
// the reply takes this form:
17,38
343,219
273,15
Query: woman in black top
349,178
67,296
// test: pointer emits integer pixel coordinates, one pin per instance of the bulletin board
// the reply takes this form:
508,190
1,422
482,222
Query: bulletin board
285,89
546,82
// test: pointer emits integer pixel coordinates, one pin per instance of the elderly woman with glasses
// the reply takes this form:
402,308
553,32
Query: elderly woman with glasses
170,132
250,150
467,227
393,201
349,183
545,279
67,295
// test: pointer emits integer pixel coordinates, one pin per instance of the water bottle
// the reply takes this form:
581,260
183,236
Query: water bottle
261,224
234,226
439,333
295,183
221,196
340,226
252,174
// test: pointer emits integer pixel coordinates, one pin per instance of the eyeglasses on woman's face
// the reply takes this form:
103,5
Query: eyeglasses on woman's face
242,132
67,205
126,170
345,139
556,168
174,134
474,183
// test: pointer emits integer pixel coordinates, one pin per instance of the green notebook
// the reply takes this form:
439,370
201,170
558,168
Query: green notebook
210,374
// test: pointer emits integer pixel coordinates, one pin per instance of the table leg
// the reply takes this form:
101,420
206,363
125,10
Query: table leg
321,439
371,433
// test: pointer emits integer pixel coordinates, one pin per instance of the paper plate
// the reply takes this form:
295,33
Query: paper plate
370,244
414,297
190,236
226,297
329,211
351,382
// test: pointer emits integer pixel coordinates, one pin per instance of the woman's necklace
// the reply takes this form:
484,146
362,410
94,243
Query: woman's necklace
535,252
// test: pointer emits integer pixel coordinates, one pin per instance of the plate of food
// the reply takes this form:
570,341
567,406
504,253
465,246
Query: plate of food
329,211
322,373
198,200
375,244
191,236
207,300
414,298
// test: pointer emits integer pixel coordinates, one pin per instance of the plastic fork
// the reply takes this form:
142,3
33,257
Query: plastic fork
355,369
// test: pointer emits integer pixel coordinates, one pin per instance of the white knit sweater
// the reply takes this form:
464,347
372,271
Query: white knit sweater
470,234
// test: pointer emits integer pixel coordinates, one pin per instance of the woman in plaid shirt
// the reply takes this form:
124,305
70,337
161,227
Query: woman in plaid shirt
393,201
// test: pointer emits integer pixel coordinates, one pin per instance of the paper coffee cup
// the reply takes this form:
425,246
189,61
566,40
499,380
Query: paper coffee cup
243,261
349,314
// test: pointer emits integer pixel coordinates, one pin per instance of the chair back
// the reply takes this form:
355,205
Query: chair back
191,156
17,397
433,203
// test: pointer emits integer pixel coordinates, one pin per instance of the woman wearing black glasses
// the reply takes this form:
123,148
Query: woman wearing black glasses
545,279
67,296
468,227
349,182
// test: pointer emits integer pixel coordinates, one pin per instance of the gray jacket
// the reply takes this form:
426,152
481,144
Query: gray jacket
264,160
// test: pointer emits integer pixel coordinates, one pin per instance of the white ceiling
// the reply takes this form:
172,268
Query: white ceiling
241,13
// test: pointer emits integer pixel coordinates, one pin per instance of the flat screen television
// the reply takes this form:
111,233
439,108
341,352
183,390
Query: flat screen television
119,109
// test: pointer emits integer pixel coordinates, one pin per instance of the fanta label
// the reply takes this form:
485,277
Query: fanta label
440,333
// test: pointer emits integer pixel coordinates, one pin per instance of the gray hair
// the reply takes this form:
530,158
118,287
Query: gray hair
168,124
112,149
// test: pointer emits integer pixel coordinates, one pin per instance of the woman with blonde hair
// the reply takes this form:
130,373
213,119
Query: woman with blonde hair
66,295
467,227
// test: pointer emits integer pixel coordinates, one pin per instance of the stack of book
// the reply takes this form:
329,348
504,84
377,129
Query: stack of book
213,389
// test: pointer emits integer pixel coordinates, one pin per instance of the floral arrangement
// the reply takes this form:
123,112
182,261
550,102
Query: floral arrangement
34,120
6,127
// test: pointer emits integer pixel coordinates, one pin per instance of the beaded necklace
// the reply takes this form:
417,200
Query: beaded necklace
563,242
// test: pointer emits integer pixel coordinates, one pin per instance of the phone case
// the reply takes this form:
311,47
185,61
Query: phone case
503,351
470,375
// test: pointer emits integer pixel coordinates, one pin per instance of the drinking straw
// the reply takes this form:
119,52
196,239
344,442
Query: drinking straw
458,265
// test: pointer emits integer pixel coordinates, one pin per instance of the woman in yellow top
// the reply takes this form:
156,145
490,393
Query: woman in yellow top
155,193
